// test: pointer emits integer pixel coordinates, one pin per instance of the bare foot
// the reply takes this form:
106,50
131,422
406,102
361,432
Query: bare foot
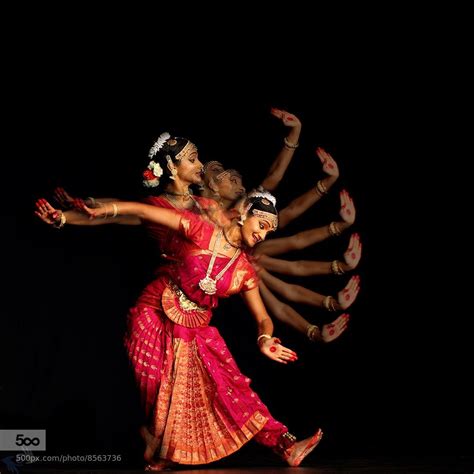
302,448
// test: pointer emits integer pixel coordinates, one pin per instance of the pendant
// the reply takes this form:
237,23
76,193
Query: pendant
208,285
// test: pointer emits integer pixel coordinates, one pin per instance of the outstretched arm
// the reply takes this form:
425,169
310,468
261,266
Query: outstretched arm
158,215
269,345
287,315
283,159
311,267
303,239
66,201
57,218
306,200
300,294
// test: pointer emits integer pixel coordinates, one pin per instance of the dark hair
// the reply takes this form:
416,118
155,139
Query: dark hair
262,204
172,147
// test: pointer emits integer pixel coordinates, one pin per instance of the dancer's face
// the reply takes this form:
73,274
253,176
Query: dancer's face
230,187
190,168
213,170
255,230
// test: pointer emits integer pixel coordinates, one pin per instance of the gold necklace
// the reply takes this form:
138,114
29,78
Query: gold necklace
209,284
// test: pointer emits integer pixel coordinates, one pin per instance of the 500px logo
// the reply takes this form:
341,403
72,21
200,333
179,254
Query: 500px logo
21,440
11,440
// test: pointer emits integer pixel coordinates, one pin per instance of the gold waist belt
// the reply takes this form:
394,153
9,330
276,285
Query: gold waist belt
181,310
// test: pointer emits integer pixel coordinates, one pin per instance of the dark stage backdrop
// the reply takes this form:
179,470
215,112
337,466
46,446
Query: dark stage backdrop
394,383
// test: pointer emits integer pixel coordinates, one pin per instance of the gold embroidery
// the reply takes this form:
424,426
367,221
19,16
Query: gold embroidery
182,310
187,426
237,280
185,224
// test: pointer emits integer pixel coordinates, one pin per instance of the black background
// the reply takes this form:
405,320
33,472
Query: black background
83,115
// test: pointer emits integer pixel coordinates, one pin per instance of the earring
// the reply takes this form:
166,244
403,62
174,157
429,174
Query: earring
171,167
242,219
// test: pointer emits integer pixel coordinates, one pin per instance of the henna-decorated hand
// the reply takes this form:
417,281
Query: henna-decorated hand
289,120
347,211
273,349
349,293
329,165
354,252
63,198
333,330
47,213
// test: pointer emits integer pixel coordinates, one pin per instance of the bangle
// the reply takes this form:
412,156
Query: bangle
115,208
321,187
290,145
336,268
329,303
92,201
334,230
266,336
60,224
312,328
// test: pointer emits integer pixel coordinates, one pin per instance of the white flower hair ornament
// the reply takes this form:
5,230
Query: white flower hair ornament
151,176
156,169
264,195
158,144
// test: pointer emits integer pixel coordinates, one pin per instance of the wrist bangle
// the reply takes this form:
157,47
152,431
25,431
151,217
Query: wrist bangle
266,336
334,230
59,224
312,331
290,145
92,201
321,187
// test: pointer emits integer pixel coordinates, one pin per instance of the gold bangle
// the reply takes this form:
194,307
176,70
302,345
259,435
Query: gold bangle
115,208
329,303
291,146
334,231
312,328
266,336
321,187
336,268
62,220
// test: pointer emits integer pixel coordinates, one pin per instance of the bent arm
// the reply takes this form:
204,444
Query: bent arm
304,202
255,304
280,164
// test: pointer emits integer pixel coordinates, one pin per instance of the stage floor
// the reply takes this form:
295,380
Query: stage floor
432,465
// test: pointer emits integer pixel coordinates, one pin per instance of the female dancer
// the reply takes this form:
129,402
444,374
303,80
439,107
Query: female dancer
199,405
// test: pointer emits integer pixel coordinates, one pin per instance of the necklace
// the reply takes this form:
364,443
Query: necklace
227,247
209,284
185,205
187,193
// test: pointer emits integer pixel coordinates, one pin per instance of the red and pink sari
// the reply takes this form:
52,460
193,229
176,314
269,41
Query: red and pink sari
199,405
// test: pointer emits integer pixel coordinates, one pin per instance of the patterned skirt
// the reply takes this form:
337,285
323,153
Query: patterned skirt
199,405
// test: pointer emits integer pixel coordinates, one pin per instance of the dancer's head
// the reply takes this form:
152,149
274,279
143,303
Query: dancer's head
258,216
221,184
172,159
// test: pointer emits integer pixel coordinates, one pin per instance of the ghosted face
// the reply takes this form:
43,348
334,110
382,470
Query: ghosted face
255,230
230,186
212,169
